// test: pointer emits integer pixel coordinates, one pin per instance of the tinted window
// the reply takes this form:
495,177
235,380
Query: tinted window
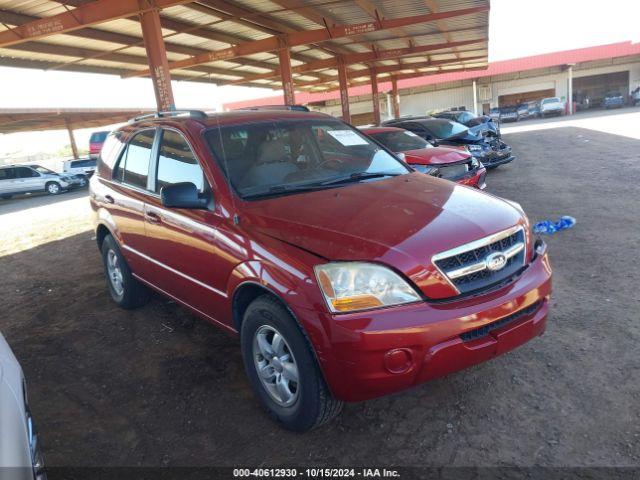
271,157
401,140
177,163
24,172
135,161
83,163
7,173
98,137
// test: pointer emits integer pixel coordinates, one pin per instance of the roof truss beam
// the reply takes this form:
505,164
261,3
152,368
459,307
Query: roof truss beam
314,36
86,15
356,58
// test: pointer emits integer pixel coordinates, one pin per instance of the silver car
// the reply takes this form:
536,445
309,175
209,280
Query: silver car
20,456
17,179
80,166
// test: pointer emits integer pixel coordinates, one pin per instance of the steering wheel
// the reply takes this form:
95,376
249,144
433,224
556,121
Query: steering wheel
330,160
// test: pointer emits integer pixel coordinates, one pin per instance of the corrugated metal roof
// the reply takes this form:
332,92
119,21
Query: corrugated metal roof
555,59
190,29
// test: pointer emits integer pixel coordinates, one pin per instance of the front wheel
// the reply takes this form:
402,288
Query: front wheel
53,188
282,368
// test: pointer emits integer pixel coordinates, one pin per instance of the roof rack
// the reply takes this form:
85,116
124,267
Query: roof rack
170,113
296,108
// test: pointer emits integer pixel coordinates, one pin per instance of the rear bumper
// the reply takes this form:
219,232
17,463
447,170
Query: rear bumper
381,352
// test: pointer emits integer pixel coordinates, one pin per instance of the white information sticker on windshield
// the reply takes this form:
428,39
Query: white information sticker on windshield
410,133
347,138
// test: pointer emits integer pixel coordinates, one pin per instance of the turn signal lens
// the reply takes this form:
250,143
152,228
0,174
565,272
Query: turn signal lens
361,302
353,286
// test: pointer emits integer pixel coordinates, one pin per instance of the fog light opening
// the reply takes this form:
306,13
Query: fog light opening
398,360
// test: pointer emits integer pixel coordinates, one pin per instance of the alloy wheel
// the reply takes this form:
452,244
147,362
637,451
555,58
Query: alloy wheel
115,273
276,366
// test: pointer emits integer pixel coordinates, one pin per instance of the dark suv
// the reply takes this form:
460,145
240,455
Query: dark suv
346,274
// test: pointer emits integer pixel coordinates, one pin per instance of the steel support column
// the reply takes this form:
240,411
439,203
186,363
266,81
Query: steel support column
570,89
158,63
284,55
72,139
375,96
475,98
344,90
396,97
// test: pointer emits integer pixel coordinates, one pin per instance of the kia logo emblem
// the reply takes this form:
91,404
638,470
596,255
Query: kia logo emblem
495,261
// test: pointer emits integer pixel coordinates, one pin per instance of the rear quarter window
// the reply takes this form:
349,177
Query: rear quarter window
111,149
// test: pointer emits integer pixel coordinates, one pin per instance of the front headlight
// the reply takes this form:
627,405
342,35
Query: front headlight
352,286
428,169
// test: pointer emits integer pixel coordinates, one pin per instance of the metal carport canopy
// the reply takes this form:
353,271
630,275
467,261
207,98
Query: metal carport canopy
292,45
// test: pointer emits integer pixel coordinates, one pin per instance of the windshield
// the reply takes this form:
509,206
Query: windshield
401,140
551,100
42,170
445,129
274,157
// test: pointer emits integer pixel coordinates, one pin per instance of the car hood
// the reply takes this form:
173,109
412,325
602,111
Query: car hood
401,222
435,156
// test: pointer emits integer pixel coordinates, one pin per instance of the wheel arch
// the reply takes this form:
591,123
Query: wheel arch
249,290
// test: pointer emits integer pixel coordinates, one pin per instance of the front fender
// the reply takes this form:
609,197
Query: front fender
295,285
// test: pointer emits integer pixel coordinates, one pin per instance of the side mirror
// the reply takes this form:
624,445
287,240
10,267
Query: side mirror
401,156
182,195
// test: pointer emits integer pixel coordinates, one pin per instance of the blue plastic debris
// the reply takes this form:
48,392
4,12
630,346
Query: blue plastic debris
547,227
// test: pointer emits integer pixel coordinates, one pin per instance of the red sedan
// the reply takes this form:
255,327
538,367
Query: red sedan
455,164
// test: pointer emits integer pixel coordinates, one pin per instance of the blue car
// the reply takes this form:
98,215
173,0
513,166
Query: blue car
613,100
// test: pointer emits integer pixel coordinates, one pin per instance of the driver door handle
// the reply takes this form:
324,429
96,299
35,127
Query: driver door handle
152,217
109,199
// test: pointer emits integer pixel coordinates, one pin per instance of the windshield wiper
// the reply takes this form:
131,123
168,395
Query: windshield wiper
280,189
357,176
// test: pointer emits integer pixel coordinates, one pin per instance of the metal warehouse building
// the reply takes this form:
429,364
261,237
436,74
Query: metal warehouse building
590,71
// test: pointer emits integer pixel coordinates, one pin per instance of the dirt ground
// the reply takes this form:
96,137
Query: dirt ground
157,387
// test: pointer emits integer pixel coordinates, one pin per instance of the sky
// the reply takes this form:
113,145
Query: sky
517,28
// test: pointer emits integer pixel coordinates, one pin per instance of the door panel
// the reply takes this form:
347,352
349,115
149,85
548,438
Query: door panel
187,247
127,195
28,180
7,180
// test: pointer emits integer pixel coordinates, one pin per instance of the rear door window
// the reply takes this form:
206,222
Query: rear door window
133,168
24,172
177,162
7,173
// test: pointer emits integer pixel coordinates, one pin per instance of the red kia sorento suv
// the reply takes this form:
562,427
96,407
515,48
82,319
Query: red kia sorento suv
346,274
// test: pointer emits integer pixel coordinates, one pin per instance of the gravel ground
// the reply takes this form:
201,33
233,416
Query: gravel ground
158,387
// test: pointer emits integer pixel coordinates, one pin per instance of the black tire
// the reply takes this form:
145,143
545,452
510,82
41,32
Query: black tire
314,405
53,188
133,294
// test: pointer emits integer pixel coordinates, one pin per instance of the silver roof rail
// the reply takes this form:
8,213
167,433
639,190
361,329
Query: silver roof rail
170,113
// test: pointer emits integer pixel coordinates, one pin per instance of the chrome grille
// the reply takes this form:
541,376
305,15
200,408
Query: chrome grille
485,262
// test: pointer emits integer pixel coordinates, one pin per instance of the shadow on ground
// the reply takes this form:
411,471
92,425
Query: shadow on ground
158,387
